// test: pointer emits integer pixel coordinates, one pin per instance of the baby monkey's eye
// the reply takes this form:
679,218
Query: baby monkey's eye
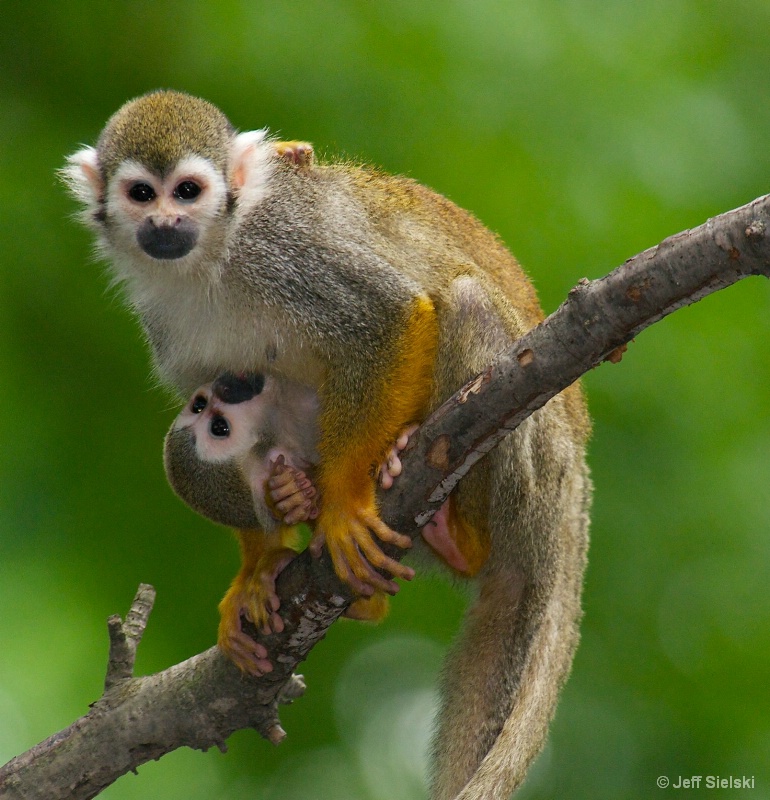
187,190
141,192
219,428
199,404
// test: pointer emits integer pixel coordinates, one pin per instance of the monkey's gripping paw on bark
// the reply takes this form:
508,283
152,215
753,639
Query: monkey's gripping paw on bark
441,532
255,599
356,555
291,494
248,655
391,466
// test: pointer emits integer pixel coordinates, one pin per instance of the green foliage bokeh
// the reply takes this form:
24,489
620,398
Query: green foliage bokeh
583,132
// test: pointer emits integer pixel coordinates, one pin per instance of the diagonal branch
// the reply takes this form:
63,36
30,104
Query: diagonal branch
200,702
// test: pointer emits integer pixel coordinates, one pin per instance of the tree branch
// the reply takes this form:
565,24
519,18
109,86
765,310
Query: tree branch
201,701
126,636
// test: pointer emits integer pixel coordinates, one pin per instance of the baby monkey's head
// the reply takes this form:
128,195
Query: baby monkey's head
206,453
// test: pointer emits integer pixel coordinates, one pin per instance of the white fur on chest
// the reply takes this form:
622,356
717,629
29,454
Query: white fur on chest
197,329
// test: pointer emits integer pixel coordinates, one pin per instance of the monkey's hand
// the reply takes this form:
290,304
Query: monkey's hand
442,532
391,466
254,598
290,494
369,393
351,537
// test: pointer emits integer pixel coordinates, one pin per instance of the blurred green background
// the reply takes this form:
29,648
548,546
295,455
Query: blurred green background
581,131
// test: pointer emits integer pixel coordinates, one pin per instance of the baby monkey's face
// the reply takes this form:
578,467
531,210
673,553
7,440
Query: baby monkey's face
225,416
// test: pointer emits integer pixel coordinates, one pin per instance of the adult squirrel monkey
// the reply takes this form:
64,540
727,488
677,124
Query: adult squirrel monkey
385,298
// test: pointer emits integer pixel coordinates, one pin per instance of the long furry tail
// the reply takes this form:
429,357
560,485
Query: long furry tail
503,676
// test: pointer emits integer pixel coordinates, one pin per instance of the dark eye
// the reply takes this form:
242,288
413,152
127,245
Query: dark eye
219,428
187,190
141,192
198,404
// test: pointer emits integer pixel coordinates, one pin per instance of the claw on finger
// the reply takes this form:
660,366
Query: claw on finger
248,655
352,568
386,534
280,489
374,556
276,623
403,438
247,660
357,558
394,466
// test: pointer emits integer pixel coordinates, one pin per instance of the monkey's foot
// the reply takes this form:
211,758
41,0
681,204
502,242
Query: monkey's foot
351,539
369,609
290,494
438,533
255,599
298,153
264,603
248,655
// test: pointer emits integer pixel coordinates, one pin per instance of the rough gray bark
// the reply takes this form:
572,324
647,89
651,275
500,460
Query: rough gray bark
201,701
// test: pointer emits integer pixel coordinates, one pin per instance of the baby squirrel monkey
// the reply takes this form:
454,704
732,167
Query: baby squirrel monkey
384,298
242,453
237,453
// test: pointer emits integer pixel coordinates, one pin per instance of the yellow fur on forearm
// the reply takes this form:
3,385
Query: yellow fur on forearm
401,395
256,545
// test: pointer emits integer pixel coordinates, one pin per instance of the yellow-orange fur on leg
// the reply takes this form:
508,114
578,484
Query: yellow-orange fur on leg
252,595
369,609
349,521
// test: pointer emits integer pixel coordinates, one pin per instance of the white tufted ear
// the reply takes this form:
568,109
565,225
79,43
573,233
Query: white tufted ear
82,177
250,166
